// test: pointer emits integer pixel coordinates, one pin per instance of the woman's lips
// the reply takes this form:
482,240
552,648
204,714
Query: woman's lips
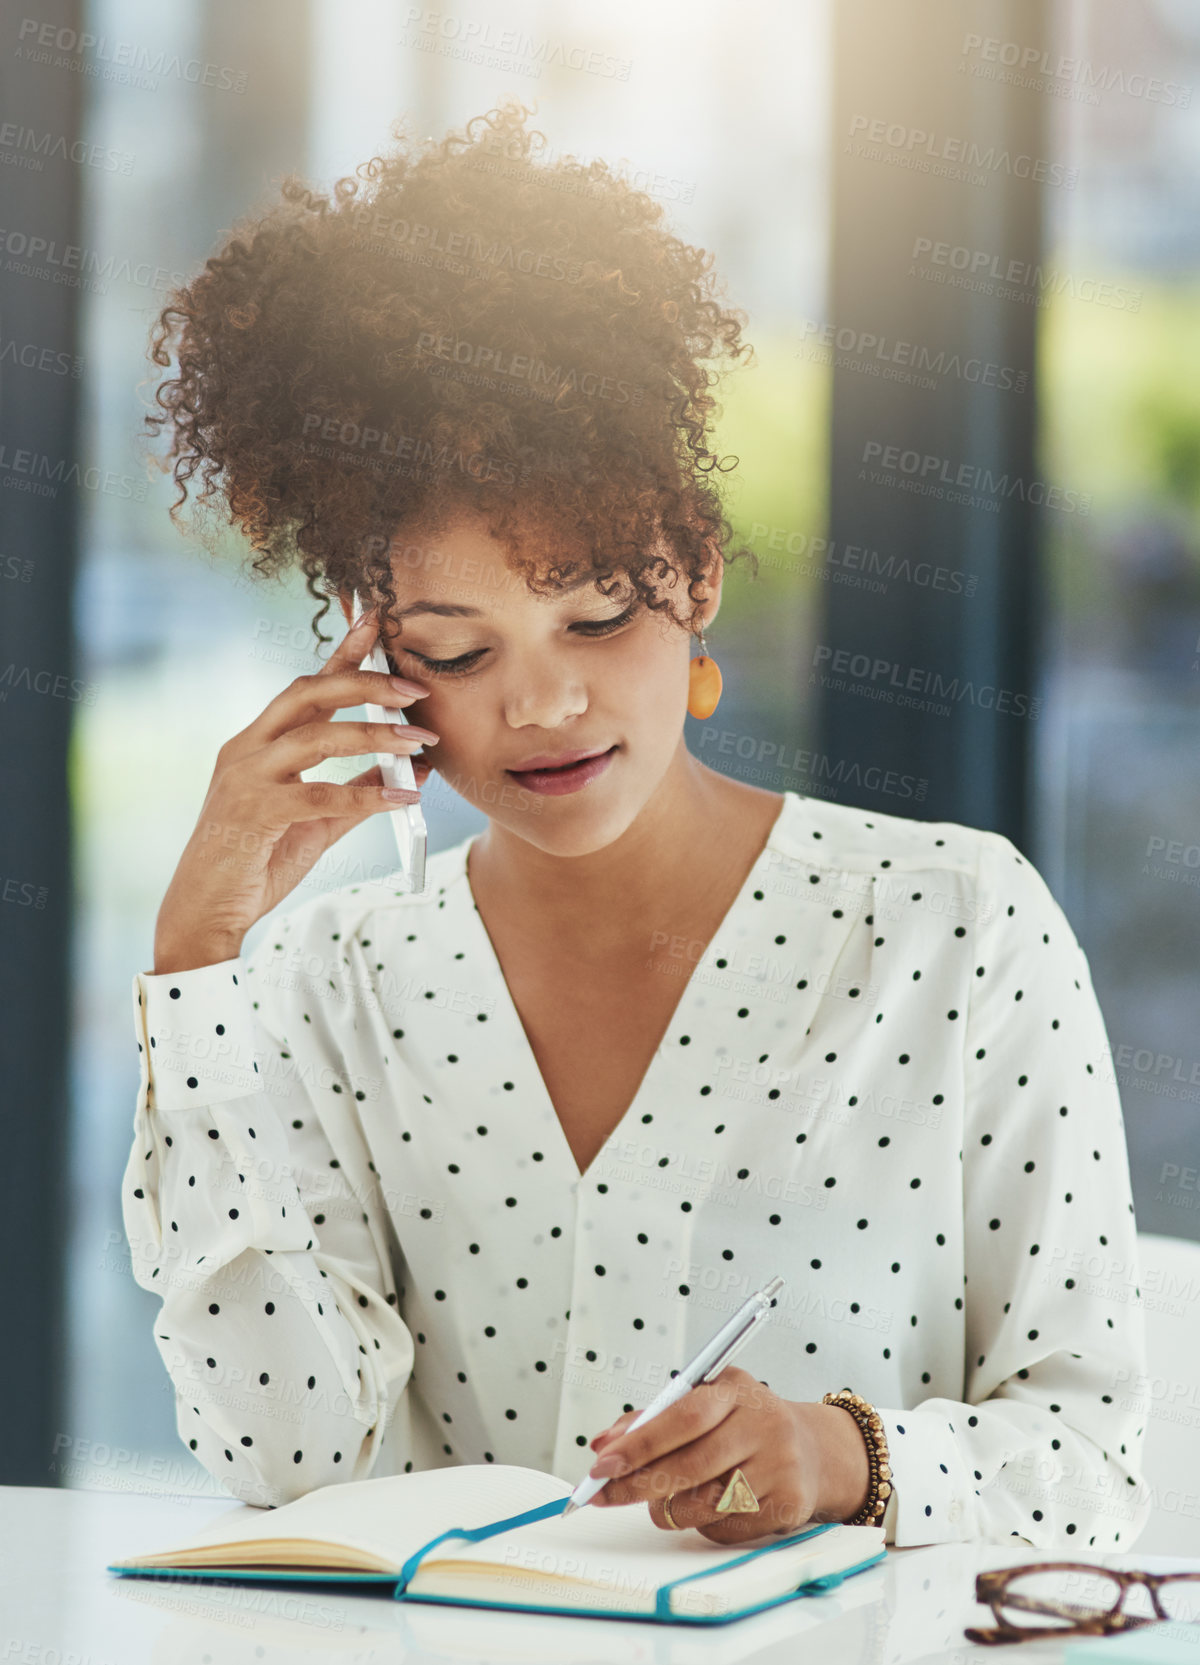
554,783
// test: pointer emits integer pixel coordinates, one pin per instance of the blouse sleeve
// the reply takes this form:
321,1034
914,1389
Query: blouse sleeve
280,1325
1045,1445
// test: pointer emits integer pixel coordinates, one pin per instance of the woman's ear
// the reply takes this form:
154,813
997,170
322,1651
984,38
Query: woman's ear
713,575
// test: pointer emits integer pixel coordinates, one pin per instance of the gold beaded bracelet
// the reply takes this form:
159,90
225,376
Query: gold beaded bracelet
871,1427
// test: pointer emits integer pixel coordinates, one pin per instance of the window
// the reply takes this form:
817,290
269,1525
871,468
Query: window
1118,793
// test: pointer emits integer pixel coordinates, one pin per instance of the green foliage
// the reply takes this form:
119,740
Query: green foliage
775,420
1120,399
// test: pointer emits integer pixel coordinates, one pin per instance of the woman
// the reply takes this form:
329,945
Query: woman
464,1176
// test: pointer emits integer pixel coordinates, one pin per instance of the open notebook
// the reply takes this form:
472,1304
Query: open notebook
491,1535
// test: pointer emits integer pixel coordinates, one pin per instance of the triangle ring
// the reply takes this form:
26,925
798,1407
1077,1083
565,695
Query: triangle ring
738,1497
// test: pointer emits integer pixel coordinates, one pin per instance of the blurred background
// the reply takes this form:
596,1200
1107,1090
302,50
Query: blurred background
968,242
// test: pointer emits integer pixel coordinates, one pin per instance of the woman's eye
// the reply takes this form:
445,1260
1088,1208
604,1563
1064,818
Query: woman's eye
450,667
467,661
601,627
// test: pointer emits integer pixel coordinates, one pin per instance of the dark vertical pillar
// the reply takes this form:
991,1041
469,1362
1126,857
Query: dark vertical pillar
939,168
40,693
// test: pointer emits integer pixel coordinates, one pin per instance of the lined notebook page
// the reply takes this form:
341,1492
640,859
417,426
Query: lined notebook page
390,1516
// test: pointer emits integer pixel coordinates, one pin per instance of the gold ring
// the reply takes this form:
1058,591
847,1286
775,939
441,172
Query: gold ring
738,1498
671,1521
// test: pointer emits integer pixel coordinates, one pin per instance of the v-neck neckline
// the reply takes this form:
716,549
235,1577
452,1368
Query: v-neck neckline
512,1018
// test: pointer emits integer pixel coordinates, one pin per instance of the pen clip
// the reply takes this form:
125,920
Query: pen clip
766,1297
738,1342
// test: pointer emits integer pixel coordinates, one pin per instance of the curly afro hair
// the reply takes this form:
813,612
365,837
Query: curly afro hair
462,332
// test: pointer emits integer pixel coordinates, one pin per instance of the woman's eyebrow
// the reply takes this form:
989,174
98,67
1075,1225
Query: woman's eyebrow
458,610
447,609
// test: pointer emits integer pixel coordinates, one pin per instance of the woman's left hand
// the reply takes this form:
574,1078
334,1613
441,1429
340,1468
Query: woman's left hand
804,1462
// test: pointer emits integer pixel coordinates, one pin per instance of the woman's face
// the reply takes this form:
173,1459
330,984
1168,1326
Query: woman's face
519,680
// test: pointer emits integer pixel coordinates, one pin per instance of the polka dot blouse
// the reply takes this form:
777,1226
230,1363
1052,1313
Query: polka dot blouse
887,1079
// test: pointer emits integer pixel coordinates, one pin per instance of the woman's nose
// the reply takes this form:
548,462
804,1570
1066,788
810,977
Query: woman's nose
539,696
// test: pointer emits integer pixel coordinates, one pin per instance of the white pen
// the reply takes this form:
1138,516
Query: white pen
708,1362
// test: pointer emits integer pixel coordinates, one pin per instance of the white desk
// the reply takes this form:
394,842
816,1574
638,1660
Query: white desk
58,1606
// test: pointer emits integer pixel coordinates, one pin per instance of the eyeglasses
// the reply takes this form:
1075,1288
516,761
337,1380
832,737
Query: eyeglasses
1056,1598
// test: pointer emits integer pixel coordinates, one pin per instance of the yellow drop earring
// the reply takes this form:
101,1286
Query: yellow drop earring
704,683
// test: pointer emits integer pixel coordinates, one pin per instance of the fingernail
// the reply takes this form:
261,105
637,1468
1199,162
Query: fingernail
407,687
611,1467
361,617
400,794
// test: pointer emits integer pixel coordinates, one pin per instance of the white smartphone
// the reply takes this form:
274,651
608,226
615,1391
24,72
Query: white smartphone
408,823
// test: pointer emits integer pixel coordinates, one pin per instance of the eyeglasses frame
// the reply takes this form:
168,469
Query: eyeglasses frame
990,1588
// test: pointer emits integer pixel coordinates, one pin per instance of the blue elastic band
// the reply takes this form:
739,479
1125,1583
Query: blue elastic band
662,1601
474,1533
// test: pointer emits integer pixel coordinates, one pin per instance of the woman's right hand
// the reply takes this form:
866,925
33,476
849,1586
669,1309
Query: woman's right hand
262,828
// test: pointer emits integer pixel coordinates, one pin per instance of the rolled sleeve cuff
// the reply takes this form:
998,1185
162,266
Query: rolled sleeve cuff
933,1492
196,1033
